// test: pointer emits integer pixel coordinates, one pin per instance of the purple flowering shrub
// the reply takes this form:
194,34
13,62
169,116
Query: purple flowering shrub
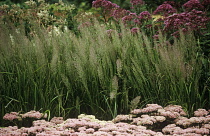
165,10
108,8
193,4
151,120
131,18
193,18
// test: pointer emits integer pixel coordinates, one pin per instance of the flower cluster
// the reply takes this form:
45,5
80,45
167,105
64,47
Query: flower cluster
146,121
172,129
165,9
135,30
193,121
109,9
32,114
129,18
11,116
26,119
149,108
57,120
175,108
92,118
206,3
137,2
165,17
122,118
193,20
172,3
43,123
169,114
193,4
119,13
105,4
201,112
145,15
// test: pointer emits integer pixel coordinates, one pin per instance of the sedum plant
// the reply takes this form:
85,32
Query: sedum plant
151,120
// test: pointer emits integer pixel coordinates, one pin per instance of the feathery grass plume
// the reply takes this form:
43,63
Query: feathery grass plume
113,93
134,103
93,58
55,59
119,66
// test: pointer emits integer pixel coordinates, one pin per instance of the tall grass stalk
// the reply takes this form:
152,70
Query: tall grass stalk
97,73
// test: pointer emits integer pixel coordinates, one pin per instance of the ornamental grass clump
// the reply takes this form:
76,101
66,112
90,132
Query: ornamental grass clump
98,71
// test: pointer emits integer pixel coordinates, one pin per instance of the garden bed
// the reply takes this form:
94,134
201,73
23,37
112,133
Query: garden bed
151,120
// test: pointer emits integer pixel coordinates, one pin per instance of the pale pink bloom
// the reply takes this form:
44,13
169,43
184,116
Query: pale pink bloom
207,126
32,114
201,112
149,108
11,116
101,133
175,108
81,129
119,118
57,120
197,119
169,129
90,130
160,118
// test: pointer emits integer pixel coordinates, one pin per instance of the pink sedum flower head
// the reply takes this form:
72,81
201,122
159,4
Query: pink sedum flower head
170,114
90,130
201,112
57,120
120,118
32,114
149,108
175,108
11,116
